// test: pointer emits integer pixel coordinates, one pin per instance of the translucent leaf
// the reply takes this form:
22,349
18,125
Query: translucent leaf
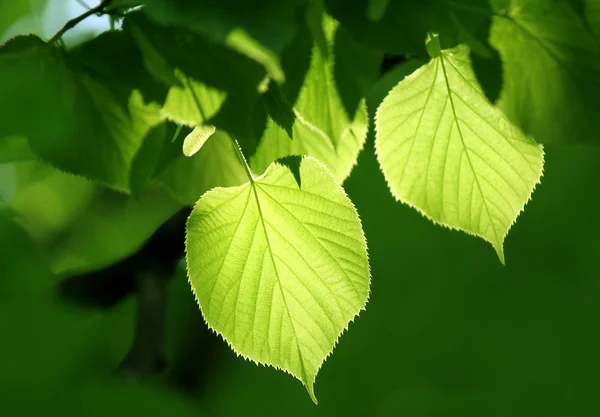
279,265
196,139
76,113
209,83
551,63
449,153
193,103
329,116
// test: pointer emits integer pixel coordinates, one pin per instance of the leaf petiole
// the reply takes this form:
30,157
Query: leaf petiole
238,151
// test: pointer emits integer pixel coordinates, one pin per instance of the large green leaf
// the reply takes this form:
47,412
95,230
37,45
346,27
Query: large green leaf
83,115
449,153
260,29
551,58
279,265
329,115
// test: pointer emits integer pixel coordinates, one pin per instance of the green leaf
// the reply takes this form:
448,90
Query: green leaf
329,116
449,153
110,228
193,103
551,60
14,149
279,265
314,21
376,9
209,83
12,11
405,24
76,113
260,29
214,165
196,139
81,226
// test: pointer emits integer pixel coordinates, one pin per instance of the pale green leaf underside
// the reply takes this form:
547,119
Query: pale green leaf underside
445,150
322,127
279,269
196,139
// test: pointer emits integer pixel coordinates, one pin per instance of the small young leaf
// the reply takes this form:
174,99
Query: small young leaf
279,265
448,152
551,64
196,139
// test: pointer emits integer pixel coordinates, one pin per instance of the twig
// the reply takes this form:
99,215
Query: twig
74,22
83,4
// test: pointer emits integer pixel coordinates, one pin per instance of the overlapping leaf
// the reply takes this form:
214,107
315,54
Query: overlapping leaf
551,56
279,265
214,165
83,121
402,25
208,83
260,29
81,226
328,120
445,150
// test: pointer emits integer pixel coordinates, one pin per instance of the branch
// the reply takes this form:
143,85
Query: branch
99,9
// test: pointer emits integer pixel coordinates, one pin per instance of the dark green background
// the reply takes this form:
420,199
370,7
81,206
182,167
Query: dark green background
448,329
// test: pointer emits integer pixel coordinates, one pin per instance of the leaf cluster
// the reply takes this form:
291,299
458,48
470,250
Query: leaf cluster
255,113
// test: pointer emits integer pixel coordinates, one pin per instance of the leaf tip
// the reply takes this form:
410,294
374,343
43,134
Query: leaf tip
310,387
500,253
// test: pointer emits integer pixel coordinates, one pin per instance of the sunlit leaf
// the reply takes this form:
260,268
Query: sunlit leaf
279,265
449,153
329,115
551,63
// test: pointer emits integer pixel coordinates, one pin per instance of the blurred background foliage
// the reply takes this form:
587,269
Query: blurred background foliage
448,330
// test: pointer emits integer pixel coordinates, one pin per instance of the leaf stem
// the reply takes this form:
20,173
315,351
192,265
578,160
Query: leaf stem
238,151
74,22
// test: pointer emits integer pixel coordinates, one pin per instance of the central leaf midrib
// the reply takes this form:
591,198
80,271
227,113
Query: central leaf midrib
484,202
262,221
